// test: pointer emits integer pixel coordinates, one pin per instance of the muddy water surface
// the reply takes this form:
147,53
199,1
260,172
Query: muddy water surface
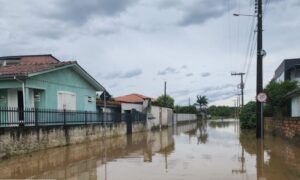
213,150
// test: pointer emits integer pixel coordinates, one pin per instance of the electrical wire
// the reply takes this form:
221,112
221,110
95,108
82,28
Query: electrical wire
250,47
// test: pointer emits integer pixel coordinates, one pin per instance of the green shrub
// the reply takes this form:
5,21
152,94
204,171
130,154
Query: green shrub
248,116
276,97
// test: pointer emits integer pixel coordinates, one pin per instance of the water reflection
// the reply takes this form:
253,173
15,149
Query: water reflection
83,159
276,158
200,132
205,150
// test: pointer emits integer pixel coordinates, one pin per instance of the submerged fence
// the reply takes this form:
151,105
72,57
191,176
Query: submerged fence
11,117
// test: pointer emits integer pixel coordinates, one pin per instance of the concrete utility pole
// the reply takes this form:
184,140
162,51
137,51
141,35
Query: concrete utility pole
242,86
165,94
259,75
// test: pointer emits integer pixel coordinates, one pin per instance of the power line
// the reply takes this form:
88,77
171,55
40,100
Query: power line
251,39
250,58
249,44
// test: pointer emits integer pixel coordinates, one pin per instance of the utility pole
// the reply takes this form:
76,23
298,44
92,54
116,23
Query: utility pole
241,85
259,75
165,94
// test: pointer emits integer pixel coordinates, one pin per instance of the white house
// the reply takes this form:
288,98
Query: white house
289,69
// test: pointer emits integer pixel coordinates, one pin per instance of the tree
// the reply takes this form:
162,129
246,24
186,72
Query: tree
201,101
164,101
221,111
248,116
185,109
276,95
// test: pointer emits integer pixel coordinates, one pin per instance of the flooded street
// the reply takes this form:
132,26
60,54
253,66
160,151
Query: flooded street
212,150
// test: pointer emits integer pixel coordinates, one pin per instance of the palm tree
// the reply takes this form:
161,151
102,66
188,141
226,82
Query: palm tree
201,101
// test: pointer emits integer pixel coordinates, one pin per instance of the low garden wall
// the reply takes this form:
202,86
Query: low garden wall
19,140
286,127
183,118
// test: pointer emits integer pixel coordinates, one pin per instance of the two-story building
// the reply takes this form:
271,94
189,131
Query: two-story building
289,69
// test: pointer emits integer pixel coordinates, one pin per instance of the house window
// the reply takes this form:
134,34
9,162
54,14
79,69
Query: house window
297,73
66,100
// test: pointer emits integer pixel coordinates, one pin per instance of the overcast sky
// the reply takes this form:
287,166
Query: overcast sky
133,46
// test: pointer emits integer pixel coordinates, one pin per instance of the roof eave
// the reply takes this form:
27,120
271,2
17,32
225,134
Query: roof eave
78,69
12,76
89,78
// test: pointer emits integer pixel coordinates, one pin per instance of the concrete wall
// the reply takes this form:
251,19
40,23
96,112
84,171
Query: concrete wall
160,116
288,127
178,118
130,106
27,139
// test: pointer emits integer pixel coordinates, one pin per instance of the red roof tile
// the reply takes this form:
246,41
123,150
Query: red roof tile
24,69
43,59
30,64
132,98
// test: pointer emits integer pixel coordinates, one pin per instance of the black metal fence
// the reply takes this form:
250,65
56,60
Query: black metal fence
11,117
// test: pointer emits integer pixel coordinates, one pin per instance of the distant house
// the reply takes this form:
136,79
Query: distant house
134,101
157,116
42,81
289,69
108,106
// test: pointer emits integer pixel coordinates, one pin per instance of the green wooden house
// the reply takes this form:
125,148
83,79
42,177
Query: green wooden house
42,81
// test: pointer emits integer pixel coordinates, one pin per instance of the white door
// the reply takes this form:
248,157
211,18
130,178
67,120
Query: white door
31,98
12,98
12,102
66,100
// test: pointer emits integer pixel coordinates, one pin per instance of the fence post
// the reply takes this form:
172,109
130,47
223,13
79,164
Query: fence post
85,117
1,116
64,116
36,116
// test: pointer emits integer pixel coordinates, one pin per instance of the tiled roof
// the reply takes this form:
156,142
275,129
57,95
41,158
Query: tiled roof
27,64
24,69
132,98
108,103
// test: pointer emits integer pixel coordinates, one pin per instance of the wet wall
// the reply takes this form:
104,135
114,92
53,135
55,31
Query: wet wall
20,140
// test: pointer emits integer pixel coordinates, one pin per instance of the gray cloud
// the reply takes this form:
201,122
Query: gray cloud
112,75
180,93
201,11
115,75
132,73
169,4
167,71
213,93
189,74
220,95
113,85
205,74
215,88
184,67
51,33
221,92
78,12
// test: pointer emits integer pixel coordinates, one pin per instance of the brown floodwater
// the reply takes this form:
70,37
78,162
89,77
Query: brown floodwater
212,150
